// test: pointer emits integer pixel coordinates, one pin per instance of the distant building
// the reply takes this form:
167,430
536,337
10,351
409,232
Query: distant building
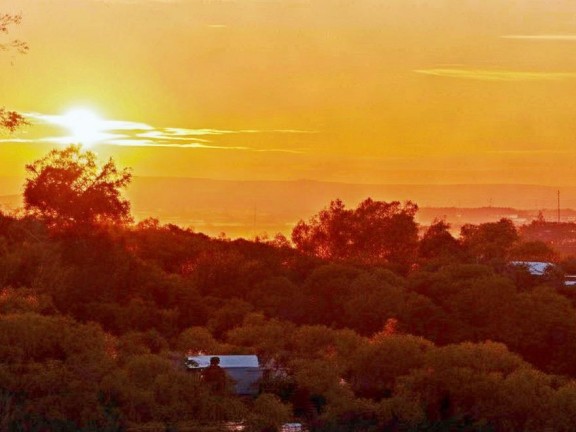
244,370
292,427
542,268
535,268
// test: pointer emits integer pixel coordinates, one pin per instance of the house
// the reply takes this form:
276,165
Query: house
542,268
244,370
535,268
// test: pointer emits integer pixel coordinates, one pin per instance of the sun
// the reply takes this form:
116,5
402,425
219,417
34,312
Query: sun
84,125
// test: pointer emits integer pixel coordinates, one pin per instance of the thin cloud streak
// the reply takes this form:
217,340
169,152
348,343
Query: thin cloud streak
18,140
544,37
534,151
163,135
497,75
137,134
192,132
144,143
59,120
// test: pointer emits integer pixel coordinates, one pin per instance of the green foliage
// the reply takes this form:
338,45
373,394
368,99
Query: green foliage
532,251
356,341
195,340
267,338
268,413
375,367
52,369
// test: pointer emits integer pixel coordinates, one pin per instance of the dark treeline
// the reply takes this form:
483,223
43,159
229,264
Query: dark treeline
375,326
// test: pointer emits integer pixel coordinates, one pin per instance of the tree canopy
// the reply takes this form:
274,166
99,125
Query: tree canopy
374,232
68,188
94,326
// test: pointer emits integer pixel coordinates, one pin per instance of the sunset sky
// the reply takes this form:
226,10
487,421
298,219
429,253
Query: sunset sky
361,91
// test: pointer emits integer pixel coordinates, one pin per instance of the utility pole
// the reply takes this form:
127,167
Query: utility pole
254,221
558,206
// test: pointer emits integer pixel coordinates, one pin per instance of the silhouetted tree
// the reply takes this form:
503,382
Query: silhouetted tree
376,232
438,244
375,366
560,236
489,242
535,250
11,120
67,188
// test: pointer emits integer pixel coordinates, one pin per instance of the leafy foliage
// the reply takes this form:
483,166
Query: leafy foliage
490,242
7,20
363,327
376,232
11,120
67,188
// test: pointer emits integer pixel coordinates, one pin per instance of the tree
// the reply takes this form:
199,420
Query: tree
54,367
268,413
490,242
438,244
532,250
67,188
375,366
372,300
11,120
376,232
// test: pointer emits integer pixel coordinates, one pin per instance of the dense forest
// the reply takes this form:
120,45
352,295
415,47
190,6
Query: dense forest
366,321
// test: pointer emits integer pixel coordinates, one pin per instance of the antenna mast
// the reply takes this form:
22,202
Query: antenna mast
558,206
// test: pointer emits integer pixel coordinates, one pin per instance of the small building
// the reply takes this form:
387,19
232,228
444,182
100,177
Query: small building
535,268
539,269
244,370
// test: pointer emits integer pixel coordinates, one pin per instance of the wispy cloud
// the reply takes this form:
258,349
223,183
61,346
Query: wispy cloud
531,151
151,143
543,37
497,75
112,125
137,134
137,1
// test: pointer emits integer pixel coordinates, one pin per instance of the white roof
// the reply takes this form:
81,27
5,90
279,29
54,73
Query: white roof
536,268
226,361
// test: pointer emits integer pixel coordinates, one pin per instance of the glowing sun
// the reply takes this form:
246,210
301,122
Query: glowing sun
85,126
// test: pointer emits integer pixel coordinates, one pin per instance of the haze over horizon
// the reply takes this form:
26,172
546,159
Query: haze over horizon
365,92
250,208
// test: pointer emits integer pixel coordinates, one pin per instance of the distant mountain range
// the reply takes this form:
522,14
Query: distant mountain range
252,207
310,195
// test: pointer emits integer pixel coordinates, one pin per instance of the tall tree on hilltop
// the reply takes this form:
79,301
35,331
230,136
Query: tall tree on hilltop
67,188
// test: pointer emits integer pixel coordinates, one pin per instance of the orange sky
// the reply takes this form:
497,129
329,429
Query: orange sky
364,91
